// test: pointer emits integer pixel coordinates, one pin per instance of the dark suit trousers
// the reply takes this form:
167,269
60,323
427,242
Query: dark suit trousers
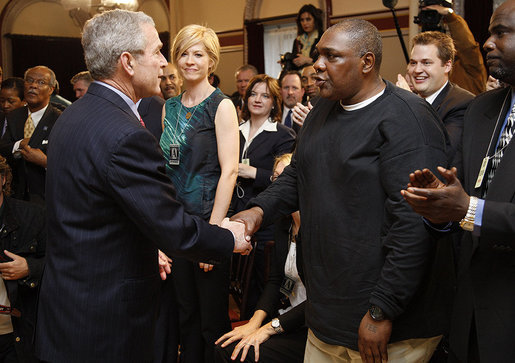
286,347
203,299
166,341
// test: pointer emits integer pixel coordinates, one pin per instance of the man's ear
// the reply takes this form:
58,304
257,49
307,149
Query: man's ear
448,66
127,61
368,61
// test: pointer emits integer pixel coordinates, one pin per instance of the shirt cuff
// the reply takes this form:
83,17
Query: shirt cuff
16,146
438,227
478,219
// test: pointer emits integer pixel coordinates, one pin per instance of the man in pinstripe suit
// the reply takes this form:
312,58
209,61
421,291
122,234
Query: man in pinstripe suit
111,206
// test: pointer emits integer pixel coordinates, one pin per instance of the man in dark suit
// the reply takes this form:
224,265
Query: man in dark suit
292,93
431,61
483,322
366,256
25,141
110,206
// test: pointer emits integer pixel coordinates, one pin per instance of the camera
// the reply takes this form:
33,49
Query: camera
287,62
431,19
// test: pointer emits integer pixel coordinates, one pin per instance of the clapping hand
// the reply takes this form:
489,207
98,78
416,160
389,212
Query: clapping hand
300,112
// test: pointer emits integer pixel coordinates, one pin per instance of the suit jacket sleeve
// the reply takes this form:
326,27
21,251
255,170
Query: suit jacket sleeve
280,198
153,208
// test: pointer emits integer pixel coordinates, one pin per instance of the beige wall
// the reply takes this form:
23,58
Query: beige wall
221,15
362,6
29,21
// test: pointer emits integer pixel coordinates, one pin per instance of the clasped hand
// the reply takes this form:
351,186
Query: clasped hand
434,200
241,239
15,269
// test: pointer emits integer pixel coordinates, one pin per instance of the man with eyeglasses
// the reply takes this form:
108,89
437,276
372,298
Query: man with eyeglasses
25,141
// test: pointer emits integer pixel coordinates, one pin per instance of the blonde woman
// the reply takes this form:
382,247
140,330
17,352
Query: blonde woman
200,142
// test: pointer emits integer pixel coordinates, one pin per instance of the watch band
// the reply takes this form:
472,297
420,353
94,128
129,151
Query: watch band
467,223
276,325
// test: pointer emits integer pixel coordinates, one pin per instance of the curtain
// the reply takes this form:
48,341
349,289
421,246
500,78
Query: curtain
278,39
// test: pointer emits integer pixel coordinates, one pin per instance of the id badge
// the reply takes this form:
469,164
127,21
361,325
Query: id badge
174,154
245,161
287,285
481,174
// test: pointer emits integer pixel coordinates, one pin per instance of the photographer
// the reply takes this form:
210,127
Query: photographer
309,30
468,71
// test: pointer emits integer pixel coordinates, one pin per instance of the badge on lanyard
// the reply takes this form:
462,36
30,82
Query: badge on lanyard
287,285
245,161
174,154
482,171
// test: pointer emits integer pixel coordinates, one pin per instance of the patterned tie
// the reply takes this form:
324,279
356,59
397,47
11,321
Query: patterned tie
141,122
504,140
287,120
28,129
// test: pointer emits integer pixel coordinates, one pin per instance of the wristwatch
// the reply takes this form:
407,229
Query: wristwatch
376,313
276,325
467,223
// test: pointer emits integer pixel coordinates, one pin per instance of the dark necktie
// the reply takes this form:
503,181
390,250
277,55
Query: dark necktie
504,140
287,120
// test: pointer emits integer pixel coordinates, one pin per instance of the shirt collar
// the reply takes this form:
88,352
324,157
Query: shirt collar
268,125
36,116
364,103
126,98
432,97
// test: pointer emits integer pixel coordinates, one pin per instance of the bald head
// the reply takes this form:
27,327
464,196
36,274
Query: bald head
171,82
500,46
362,36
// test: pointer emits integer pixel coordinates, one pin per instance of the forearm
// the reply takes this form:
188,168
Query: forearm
258,318
224,191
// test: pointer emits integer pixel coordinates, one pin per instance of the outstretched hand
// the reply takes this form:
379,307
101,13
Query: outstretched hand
252,218
241,239
434,200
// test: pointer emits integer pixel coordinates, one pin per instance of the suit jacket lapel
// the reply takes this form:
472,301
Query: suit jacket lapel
41,131
485,125
439,99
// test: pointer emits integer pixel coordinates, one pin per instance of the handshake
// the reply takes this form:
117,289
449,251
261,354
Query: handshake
243,225
241,240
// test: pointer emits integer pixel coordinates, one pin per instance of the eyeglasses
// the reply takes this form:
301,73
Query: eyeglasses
37,82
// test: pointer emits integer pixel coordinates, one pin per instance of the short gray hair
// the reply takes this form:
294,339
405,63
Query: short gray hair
364,38
53,79
106,36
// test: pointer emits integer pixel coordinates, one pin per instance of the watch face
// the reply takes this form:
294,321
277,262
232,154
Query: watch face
275,323
376,313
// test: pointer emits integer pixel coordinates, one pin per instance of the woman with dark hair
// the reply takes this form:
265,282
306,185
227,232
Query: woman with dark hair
11,98
262,139
310,27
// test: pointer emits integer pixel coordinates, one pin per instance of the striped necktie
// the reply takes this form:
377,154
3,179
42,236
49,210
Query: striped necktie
504,140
